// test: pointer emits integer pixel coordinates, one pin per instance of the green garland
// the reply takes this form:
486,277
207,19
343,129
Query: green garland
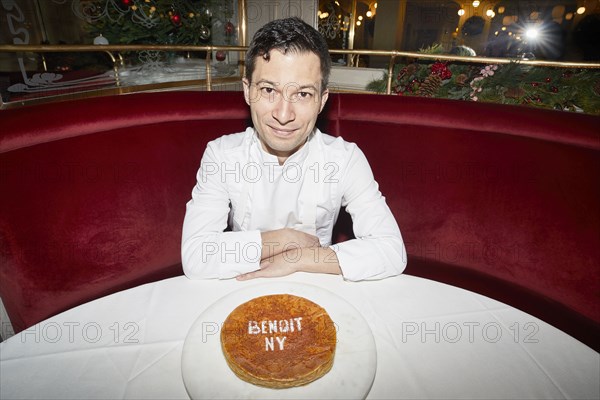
513,83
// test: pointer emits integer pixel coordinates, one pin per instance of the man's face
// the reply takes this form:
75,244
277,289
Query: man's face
285,99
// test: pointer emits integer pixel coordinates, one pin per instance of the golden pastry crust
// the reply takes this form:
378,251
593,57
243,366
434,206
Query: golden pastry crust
279,341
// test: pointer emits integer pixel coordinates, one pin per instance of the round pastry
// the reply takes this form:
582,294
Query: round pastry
279,341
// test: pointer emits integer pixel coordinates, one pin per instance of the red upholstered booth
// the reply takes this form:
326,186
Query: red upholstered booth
501,200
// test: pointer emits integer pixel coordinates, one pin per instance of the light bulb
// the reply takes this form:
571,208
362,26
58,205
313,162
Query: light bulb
100,40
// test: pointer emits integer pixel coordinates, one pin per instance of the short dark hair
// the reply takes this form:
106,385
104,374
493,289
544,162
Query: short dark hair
288,34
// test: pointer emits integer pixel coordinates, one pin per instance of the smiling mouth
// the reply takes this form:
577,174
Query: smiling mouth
282,132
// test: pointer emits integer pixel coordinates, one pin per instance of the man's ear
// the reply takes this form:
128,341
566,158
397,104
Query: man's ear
246,85
324,97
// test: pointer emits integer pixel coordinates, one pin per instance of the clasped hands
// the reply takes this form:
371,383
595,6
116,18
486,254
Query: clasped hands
285,251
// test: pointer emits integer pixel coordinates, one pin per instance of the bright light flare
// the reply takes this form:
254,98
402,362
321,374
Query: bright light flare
532,33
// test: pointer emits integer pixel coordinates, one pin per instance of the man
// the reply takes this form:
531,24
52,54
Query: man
279,185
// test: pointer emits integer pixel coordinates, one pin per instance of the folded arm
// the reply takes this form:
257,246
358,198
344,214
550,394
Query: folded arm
378,250
207,251
286,251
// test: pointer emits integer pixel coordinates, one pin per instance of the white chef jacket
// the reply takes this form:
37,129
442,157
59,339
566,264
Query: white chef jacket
242,186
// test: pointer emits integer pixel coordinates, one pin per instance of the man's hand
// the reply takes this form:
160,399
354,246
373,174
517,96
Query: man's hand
307,259
272,267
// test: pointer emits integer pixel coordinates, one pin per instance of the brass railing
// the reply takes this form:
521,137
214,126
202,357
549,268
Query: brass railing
115,51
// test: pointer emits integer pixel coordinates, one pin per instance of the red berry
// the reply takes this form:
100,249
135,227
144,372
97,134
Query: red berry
229,28
441,69
220,55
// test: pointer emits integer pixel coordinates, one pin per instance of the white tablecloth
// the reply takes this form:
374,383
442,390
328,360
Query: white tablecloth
433,341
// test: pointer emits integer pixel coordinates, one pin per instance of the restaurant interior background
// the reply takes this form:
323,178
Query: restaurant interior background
538,52
540,29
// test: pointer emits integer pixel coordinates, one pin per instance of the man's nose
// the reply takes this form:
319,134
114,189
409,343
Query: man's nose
283,111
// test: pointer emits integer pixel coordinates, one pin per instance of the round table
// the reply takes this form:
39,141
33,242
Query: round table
432,341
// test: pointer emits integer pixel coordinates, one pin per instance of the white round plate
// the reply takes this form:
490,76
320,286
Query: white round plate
207,376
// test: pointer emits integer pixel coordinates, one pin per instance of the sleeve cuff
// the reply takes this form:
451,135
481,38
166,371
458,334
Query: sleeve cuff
361,260
238,253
